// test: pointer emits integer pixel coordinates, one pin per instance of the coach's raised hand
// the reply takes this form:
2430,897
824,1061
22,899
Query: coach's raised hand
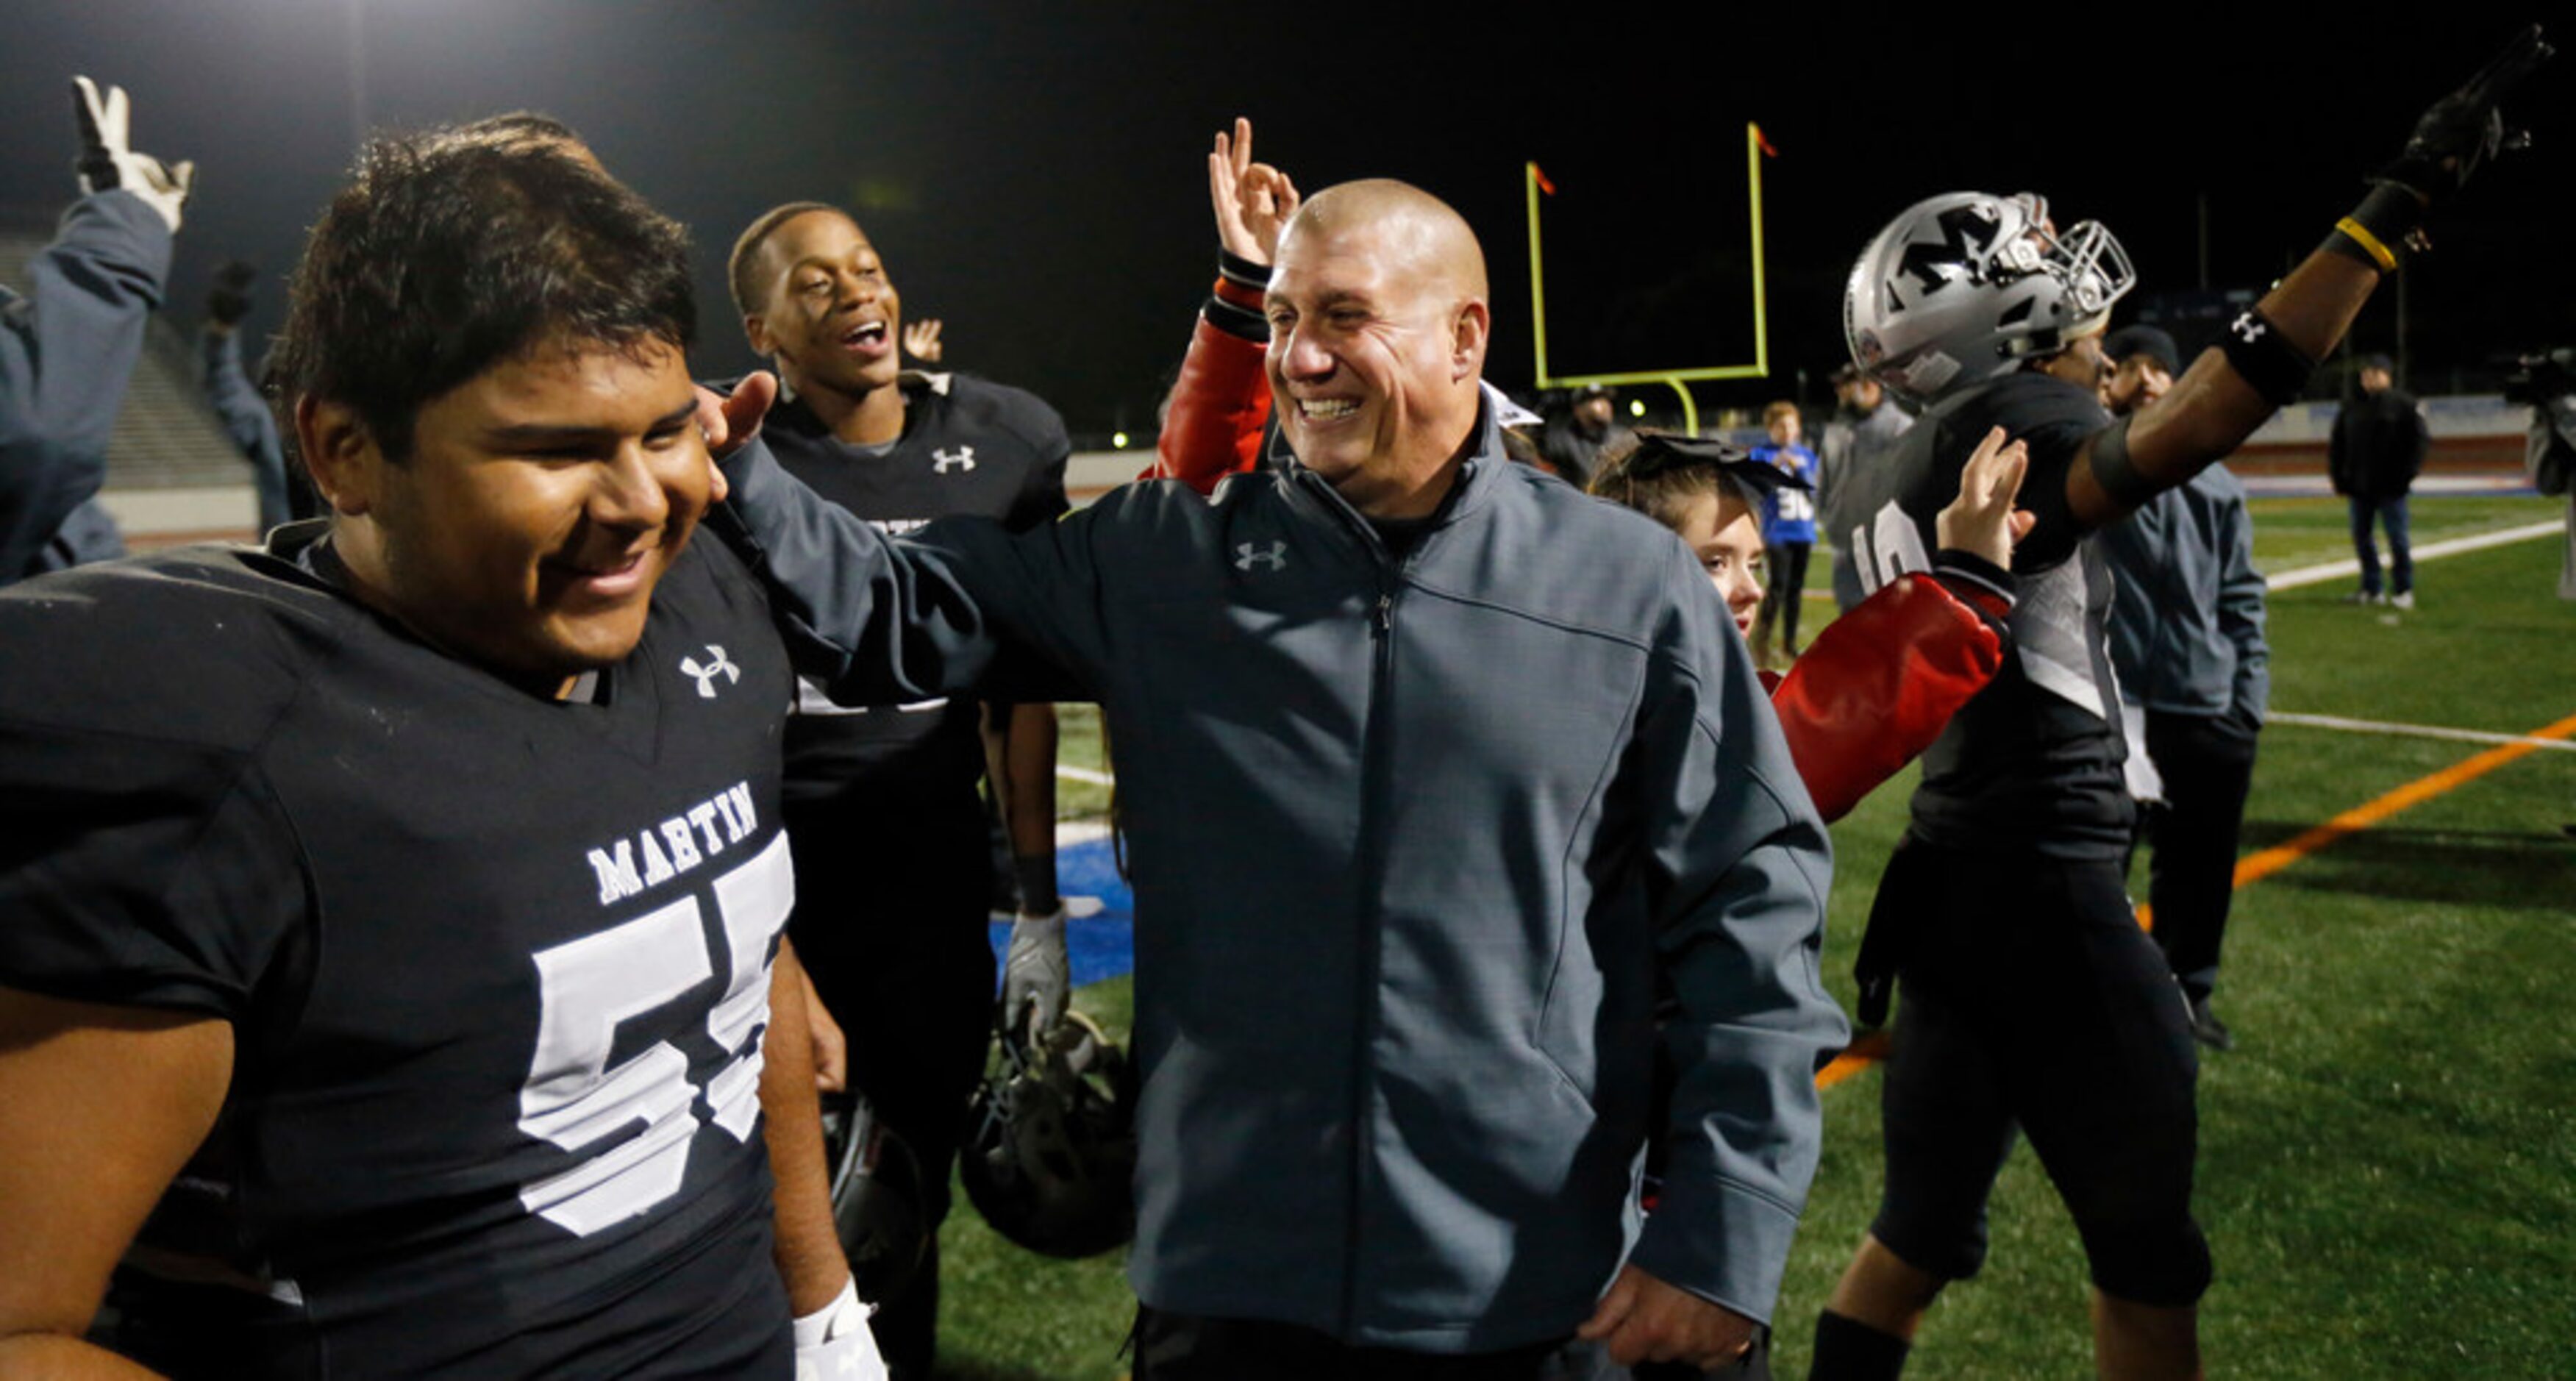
1252,201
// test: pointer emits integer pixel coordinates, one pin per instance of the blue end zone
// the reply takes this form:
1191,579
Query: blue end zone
1102,946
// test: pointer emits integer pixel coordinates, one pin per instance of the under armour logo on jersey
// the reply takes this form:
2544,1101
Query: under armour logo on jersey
2249,327
720,666
963,458
1246,556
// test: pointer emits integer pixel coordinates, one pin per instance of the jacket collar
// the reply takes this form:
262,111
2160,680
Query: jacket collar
1479,475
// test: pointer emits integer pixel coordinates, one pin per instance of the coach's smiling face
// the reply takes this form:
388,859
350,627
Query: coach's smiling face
1378,322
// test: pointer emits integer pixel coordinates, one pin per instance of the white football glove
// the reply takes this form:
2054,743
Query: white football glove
1037,978
833,1343
106,163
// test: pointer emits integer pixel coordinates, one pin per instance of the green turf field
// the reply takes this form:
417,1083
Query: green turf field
2388,1159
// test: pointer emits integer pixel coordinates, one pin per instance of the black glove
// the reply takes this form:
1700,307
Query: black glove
2465,128
2459,132
230,301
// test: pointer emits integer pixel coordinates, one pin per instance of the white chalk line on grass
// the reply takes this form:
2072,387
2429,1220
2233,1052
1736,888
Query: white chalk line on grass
1072,773
2371,726
2351,566
2453,546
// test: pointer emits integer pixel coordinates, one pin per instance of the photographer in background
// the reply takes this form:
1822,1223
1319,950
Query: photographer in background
2548,383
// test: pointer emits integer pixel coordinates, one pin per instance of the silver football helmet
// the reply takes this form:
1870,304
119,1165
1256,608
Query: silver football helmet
1962,286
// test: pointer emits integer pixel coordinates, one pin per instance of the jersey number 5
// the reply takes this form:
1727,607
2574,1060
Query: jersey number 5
590,985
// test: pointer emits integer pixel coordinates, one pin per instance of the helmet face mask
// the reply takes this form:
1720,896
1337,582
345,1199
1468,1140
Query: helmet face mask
1961,287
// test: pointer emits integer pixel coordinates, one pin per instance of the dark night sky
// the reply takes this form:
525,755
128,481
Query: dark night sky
1033,172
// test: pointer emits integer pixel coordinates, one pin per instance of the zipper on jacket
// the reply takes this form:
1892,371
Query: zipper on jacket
1374,772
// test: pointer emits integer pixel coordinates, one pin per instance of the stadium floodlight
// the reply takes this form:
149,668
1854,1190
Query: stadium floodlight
1678,379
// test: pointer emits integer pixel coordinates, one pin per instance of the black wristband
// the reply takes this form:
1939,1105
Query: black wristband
1237,321
2266,359
1037,885
1234,268
2113,470
2381,230
1966,567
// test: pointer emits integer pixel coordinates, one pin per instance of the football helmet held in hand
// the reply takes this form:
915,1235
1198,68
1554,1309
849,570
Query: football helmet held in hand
1050,1155
877,1200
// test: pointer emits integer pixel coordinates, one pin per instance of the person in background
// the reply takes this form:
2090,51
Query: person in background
1865,427
68,351
895,873
1880,682
1572,441
2373,456
1788,530
2187,618
237,402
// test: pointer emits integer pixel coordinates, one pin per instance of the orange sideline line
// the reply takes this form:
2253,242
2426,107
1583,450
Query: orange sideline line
2254,867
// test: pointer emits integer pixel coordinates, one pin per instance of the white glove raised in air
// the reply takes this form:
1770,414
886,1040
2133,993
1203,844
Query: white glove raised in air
107,164
1037,979
833,1343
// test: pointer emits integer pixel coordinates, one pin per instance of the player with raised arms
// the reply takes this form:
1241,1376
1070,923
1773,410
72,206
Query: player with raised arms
2032,1002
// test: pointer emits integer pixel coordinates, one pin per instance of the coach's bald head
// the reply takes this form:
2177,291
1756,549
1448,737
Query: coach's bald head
1379,322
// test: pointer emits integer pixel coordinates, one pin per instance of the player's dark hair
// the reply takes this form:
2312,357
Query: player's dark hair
748,291
1663,488
445,257
513,127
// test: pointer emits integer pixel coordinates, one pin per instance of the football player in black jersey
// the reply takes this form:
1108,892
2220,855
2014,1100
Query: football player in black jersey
893,871
2031,1000
393,909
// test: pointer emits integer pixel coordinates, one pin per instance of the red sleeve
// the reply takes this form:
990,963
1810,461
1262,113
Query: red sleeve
1220,404
1877,686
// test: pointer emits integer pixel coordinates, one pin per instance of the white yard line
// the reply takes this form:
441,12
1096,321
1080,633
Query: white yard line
2351,566
1084,774
2370,726
2334,570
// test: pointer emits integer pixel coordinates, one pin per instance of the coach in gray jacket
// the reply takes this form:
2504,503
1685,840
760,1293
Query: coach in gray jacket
1436,772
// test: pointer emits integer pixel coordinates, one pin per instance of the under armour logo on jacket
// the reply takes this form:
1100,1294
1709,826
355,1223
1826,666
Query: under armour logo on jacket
1246,556
962,459
720,666
2248,327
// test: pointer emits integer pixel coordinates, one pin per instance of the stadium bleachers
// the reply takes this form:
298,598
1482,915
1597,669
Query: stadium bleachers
172,474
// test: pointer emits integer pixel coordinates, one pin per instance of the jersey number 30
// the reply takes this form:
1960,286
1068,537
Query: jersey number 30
590,985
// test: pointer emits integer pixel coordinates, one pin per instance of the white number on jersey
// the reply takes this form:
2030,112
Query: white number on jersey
1891,546
1797,506
587,987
